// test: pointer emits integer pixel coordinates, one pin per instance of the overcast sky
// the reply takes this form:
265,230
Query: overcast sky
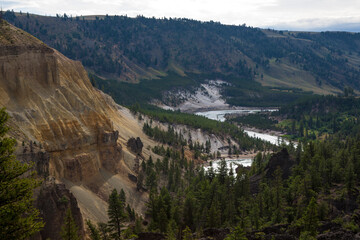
279,14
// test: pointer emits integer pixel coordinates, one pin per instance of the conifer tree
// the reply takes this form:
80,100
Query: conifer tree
104,231
116,214
187,234
94,231
310,218
237,234
18,218
69,231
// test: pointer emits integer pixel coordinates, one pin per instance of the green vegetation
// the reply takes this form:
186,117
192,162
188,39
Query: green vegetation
119,213
69,231
258,120
145,91
153,50
211,126
241,92
116,213
300,203
310,118
324,176
19,219
318,116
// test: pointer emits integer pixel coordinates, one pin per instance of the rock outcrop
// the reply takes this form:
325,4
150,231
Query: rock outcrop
135,145
82,133
54,200
280,160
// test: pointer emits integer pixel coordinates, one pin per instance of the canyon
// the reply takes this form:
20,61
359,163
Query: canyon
80,142
74,134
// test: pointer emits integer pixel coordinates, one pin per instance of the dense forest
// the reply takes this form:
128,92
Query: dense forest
133,49
307,192
241,92
319,194
314,117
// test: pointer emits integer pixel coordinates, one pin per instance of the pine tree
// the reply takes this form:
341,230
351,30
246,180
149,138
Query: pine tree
122,197
94,231
18,218
223,170
187,234
138,225
116,214
310,218
104,231
236,234
69,231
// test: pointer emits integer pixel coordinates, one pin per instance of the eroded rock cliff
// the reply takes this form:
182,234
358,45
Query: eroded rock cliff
81,131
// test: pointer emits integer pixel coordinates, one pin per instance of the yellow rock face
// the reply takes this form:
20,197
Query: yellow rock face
52,101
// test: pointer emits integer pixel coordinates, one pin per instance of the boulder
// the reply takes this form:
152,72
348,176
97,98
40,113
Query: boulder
135,145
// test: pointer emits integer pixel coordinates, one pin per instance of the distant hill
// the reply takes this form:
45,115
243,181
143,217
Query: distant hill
134,49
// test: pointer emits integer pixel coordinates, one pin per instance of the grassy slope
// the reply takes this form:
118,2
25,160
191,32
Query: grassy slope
133,49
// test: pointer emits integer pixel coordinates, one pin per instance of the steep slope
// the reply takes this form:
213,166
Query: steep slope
72,131
134,49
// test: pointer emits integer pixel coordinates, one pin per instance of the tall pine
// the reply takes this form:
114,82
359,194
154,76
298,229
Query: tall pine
116,214
18,218
69,230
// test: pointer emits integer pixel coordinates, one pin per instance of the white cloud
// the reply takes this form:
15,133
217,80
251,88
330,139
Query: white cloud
262,13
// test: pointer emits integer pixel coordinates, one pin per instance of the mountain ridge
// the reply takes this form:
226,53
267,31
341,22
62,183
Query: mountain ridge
141,49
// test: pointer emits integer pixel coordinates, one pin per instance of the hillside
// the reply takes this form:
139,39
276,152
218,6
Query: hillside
180,53
74,134
77,137
83,145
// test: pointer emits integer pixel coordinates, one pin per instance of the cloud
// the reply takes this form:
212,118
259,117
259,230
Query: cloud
290,14
351,24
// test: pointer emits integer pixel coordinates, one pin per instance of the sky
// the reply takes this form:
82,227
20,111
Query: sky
302,15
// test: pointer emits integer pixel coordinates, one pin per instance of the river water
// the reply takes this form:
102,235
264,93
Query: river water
230,163
219,115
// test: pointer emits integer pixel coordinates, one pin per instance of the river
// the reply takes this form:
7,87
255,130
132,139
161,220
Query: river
230,163
219,115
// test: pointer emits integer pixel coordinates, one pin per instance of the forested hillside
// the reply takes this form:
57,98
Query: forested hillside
132,49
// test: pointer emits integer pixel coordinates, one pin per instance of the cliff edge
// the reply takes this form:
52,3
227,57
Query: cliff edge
56,111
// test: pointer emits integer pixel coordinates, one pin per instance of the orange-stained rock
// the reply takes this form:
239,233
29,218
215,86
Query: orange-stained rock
82,132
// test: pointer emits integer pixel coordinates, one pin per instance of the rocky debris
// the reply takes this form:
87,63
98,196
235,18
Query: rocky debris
277,232
328,226
216,234
356,216
150,236
276,236
135,145
275,229
344,204
132,177
136,165
338,235
53,201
